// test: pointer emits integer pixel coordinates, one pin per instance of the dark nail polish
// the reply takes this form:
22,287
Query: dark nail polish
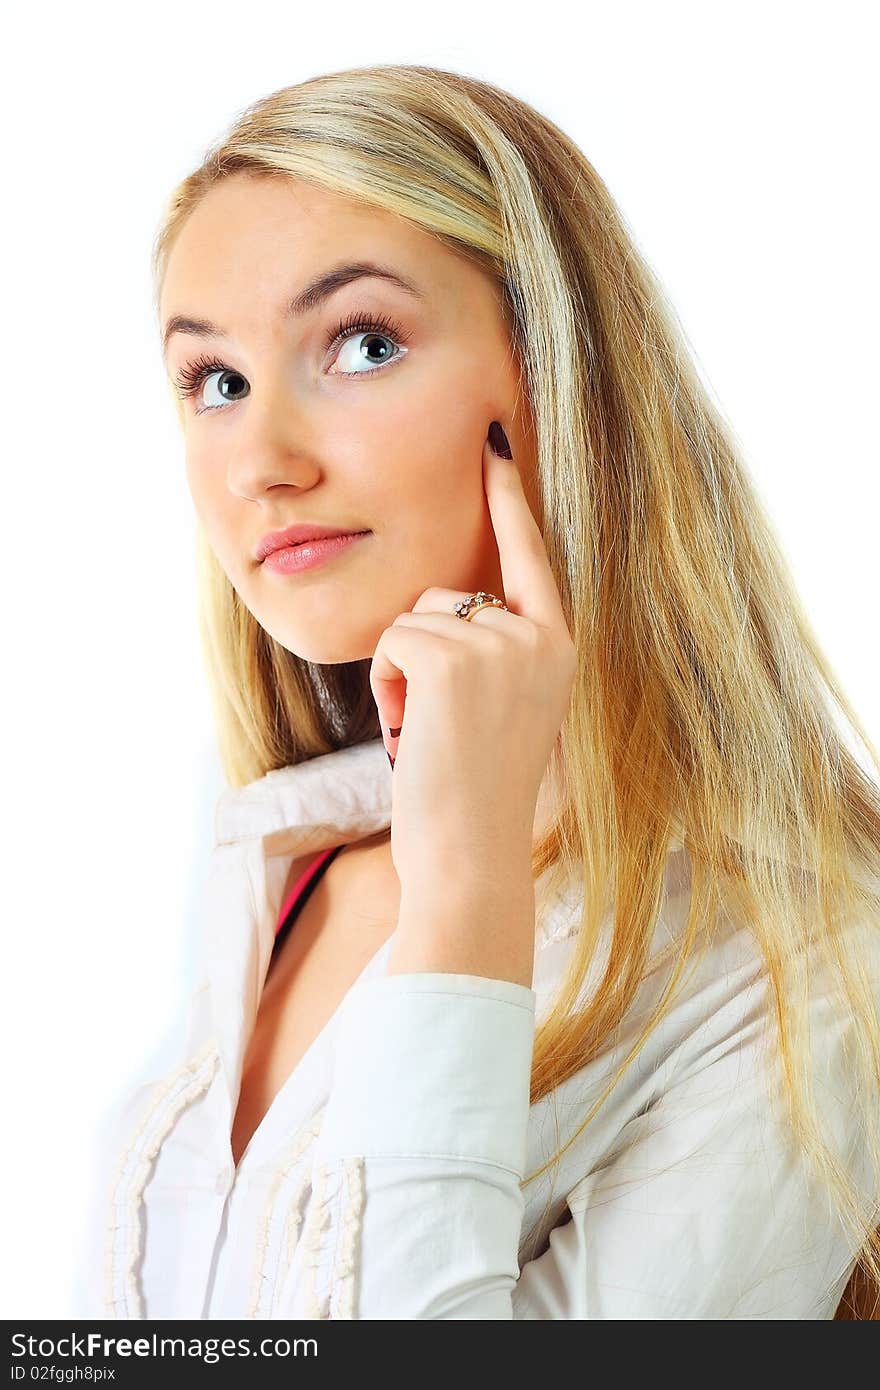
498,440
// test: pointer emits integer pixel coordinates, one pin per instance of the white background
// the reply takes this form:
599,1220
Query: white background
739,141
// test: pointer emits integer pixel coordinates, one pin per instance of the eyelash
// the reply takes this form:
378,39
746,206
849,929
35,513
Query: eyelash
194,373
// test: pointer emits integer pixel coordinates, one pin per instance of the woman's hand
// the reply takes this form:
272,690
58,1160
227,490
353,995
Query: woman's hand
484,700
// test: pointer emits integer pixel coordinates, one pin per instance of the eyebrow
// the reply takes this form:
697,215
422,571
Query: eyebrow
314,293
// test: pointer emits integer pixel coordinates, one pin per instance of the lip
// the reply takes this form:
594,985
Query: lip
296,535
291,559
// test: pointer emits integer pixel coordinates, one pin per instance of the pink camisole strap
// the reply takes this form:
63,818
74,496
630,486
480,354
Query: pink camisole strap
302,883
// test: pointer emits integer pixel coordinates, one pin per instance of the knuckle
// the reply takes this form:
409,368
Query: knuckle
529,639
445,671
427,600
568,659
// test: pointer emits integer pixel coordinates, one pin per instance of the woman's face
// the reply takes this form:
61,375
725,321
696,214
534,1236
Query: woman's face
381,431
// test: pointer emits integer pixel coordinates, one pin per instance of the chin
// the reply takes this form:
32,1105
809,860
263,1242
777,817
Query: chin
321,657
325,649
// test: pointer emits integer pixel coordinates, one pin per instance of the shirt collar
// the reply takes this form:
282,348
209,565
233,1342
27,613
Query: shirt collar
324,801
336,797
293,811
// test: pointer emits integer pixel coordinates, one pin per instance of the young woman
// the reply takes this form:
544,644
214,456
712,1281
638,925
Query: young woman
568,1006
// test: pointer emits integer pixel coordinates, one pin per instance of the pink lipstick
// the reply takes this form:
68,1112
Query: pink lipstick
306,555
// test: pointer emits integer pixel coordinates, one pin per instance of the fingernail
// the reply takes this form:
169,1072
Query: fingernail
498,440
394,733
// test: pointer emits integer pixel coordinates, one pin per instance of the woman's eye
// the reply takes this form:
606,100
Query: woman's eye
364,352
198,374
230,387
362,347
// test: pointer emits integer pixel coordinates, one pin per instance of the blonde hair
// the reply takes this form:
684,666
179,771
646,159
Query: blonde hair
701,699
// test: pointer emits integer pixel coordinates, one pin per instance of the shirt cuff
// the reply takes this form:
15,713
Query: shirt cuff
435,1065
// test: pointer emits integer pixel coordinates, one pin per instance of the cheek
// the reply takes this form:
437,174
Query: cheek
204,504
207,483
213,506
430,479
196,476
431,500
432,436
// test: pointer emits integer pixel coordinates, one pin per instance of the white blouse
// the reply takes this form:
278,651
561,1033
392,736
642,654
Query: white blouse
384,1181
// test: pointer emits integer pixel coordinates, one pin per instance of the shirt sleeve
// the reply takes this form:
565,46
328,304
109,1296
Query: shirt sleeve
416,1204
704,1207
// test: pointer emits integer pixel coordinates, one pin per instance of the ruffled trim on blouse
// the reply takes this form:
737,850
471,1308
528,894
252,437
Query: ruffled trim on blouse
168,1098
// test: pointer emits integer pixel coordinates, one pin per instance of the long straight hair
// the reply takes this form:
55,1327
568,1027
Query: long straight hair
702,699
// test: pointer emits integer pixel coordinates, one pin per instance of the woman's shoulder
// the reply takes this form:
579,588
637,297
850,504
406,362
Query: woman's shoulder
706,1001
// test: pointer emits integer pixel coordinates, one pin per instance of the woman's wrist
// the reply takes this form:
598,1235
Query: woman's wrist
475,919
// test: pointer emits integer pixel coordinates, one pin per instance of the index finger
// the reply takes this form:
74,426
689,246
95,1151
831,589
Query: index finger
529,586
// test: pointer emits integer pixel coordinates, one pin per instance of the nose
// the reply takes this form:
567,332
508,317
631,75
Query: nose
275,445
